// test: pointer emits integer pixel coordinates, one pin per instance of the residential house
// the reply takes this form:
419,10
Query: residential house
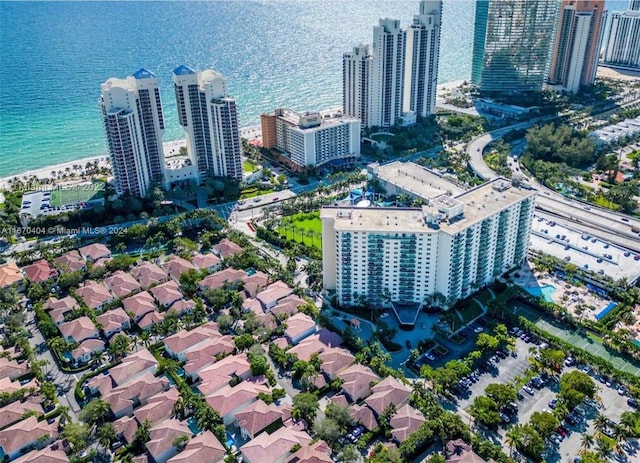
253,284
88,347
150,319
10,274
183,306
204,448
177,345
114,321
405,422
149,274
299,327
12,413
176,266
357,381
51,454
94,252
126,428
334,360
258,416
315,344
139,305
267,320
207,261
134,365
167,293
162,435
70,261
288,305
363,415
229,400
275,447
273,293
228,276
231,366
458,451
100,384
158,407
59,307
9,386
40,271
26,434
12,369
226,248
122,284
95,295
388,391
124,399
316,452
79,329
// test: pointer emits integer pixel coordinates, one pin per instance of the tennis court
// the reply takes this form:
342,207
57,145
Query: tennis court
77,194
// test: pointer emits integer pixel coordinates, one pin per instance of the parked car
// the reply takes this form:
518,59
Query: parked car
528,389
632,402
505,418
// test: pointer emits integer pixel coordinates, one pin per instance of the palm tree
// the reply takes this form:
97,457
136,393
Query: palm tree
603,449
600,422
586,442
65,416
513,437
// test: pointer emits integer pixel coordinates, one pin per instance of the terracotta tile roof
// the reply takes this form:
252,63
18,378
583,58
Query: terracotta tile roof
315,344
158,407
335,360
9,274
317,452
259,415
182,306
45,455
237,365
176,266
13,412
139,305
94,294
102,383
122,283
228,398
274,292
163,434
458,451
167,293
388,391
7,385
25,432
66,302
205,355
255,283
217,280
70,261
140,388
209,260
40,271
12,369
126,427
113,320
150,319
252,305
226,248
183,340
87,347
267,448
364,415
95,251
132,365
405,421
204,448
339,399
297,325
213,384
357,379
148,273
288,305
79,329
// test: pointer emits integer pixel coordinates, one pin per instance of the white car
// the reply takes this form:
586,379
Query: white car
384,315
479,329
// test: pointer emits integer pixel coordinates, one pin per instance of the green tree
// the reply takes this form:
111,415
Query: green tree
574,387
106,434
77,434
243,342
328,430
119,345
349,454
485,411
552,358
486,342
340,414
502,394
544,423
94,412
305,405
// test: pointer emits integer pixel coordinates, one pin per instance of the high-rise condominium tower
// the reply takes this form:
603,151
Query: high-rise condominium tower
622,43
133,124
422,58
356,79
511,44
210,120
577,45
634,5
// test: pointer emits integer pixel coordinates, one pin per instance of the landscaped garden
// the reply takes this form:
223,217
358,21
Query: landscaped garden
304,227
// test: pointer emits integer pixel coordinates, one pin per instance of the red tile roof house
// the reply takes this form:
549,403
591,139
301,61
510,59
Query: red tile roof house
319,342
220,373
255,418
126,428
176,266
59,307
177,344
162,435
230,400
388,391
183,306
405,422
26,434
95,295
79,329
255,283
299,327
10,274
122,284
363,415
13,412
148,274
226,248
124,399
94,252
273,293
40,271
273,448
70,261
317,452
267,320
167,293
158,407
458,451
88,347
6,385
139,305
207,354
288,305
334,360
114,321
207,261
357,381
204,448
229,276
45,455
149,320
134,365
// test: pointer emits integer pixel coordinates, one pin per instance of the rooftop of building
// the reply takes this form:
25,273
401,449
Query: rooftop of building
415,179
310,121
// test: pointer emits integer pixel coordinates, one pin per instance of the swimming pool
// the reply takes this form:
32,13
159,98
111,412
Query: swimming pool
544,292
612,305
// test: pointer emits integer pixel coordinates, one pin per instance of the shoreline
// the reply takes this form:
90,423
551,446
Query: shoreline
250,132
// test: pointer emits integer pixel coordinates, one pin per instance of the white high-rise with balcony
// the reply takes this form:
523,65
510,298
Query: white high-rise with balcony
622,42
356,80
134,125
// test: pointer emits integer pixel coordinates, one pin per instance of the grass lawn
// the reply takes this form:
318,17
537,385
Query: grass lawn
484,296
303,228
77,194
253,192
249,167
470,312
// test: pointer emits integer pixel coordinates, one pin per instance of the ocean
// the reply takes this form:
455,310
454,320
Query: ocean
273,53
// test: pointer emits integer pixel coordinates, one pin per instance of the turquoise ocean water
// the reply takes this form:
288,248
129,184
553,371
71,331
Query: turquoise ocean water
274,53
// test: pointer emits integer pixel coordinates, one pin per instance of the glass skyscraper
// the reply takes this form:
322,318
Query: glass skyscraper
512,43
